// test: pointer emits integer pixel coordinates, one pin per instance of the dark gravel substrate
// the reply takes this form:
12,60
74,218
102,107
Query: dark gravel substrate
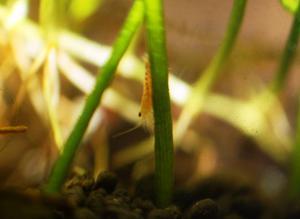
85,198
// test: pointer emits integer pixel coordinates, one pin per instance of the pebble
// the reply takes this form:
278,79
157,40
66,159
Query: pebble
87,184
233,216
145,205
84,213
106,180
113,212
75,195
96,201
204,209
247,206
168,213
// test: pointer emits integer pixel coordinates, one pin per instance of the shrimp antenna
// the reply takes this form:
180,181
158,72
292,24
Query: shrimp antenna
127,131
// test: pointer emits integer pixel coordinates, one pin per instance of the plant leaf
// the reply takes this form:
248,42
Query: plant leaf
290,5
51,94
81,9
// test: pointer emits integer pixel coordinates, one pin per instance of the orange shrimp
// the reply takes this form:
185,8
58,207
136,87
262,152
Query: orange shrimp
146,112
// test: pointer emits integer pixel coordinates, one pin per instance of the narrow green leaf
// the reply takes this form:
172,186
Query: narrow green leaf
52,17
81,9
290,5
295,161
104,78
206,80
288,55
156,43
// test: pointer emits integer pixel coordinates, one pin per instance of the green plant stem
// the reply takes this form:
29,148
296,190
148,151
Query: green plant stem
204,83
64,162
286,60
161,101
287,55
52,17
213,70
277,85
295,165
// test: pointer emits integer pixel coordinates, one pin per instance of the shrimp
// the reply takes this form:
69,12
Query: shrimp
146,111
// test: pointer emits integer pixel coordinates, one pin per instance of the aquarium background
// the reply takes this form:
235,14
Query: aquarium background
237,133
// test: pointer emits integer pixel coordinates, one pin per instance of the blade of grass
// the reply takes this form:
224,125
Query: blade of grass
286,60
18,12
161,101
287,55
63,164
295,162
52,17
29,75
51,92
79,10
200,89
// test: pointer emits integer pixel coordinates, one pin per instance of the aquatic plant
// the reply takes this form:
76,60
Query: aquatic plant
161,101
57,51
63,164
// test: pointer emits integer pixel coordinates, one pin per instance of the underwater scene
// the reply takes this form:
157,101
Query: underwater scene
133,109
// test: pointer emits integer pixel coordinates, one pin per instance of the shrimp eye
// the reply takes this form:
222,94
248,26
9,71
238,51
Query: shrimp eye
140,114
